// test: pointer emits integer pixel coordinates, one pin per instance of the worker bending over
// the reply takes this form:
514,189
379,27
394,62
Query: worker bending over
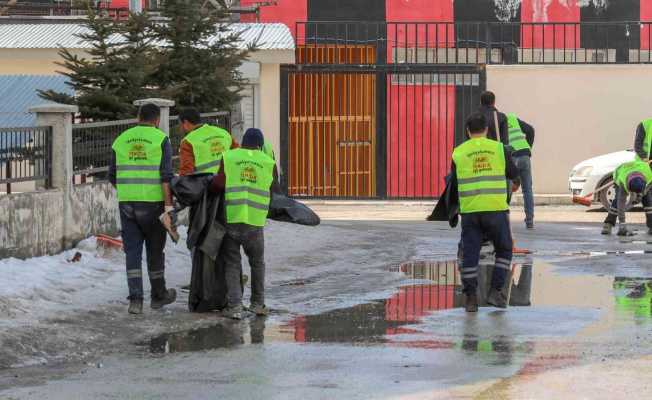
480,170
141,169
202,148
245,177
631,179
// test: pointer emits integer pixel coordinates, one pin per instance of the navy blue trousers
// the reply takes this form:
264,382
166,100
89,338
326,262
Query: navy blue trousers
476,227
141,226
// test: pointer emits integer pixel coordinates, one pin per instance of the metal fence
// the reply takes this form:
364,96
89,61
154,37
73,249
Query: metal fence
473,42
25,156
92,142
91,146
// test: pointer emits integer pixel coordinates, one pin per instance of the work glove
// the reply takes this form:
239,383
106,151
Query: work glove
624,231
169,221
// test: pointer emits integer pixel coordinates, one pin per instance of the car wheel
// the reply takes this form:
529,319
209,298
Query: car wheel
606,196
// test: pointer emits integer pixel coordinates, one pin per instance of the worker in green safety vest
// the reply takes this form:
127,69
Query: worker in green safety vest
631,179
245,177
480,171
521,139
202,148
141,169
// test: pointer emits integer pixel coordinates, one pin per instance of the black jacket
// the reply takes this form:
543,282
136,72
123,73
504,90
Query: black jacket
488,112
639,141
528,130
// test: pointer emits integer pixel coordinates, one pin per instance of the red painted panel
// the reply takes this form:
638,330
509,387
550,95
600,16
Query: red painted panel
646,15
550,36
286,11
434,33
420,138
119,3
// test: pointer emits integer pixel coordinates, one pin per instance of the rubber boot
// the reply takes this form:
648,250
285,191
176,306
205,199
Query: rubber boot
135,306
471,304
607,228
497,298
169,297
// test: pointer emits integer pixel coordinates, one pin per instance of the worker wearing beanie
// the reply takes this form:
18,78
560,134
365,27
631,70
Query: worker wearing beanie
245,177
631,178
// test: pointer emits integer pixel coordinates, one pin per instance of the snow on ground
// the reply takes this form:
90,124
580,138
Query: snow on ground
51,308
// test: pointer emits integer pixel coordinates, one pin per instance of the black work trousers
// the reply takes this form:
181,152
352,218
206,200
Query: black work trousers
141,226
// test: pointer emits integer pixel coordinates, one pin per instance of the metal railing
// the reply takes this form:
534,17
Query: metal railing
91,146
383,43
25,156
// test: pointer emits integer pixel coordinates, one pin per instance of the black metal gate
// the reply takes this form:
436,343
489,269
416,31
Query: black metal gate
372,131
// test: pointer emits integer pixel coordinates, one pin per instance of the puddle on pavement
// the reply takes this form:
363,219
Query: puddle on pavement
397,320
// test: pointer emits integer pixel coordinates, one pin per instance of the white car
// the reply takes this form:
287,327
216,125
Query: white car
596,172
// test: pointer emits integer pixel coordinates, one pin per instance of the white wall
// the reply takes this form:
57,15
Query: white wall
578,111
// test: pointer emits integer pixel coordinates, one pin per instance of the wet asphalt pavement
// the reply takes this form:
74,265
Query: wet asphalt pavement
389,324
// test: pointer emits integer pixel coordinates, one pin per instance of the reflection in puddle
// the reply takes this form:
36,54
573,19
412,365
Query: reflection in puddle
634,296
401,319
215,337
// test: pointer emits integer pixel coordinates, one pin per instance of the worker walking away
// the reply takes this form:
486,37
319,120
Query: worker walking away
202,148
521,139
141,169
481,168
245,176
631,179
497,121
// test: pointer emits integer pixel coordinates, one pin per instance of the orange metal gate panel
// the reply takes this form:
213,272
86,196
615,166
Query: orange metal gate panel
332,135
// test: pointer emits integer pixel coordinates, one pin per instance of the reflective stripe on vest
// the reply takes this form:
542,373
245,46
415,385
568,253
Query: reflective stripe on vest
138,162
647,142
517,138
622,173
249,175
208,144
481,181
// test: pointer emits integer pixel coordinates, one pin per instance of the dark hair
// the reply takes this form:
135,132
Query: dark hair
488,98
253,138
476,123
149,112
190,115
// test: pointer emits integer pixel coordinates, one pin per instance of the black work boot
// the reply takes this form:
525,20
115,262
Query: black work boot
471,303
497,298
607,228
135,306
169,297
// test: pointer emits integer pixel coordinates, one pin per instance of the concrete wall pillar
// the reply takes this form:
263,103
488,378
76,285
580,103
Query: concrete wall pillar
165,106
60,118
270,93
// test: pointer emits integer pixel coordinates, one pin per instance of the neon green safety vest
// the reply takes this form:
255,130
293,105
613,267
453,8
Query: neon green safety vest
481,181
208,144
625,170
269,150
647,143
516,136
138,161
249,175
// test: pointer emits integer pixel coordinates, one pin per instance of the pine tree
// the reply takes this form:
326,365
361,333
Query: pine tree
198,56
115,72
